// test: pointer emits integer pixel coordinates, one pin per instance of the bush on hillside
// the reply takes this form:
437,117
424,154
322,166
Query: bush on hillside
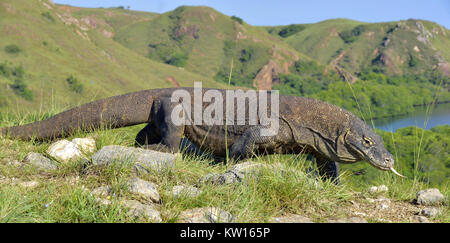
48,16
21,89
349,36
239,20
178,59
12,49
74,84
290,30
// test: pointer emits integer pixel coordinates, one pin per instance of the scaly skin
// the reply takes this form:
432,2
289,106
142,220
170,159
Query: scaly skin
331,134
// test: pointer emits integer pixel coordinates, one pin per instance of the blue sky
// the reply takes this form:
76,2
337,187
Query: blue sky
282,12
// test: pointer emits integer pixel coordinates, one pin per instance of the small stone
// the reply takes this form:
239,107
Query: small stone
357,220
383,188
142,159
86,145
29,184
144,189
188,191
219,179
40,161
64,151
421,219
337,220
137,210
373,189
14,163
103,201
384,206
102,191
294,218
430,197
205,215
370,200
429,212
246,168
360,214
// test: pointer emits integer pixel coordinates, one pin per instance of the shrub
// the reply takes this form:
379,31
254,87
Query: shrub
246,55
5,70
413,61
12,49
178,59
290,30
48,16
239,20
74,84
349,36
21,89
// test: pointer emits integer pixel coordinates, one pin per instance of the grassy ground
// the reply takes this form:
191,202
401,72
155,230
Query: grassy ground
64,195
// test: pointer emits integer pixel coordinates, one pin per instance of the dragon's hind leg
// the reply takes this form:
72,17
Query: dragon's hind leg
161,134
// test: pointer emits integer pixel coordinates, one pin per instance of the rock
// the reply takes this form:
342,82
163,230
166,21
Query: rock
219,179
40,161
86,145
383,188
187,191
144,189
337,221
384,206
205,215
421,219
238,172
294,218
429,197
29,184
349,220
246,168
357,220
64,151
137,210
375,189
429,212
14,163
142,159
102,191
103,201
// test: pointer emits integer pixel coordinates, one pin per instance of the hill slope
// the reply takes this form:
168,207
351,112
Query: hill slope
204,41
396,48
43,45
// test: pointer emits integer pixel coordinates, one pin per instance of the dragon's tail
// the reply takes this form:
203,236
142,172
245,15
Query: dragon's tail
118,111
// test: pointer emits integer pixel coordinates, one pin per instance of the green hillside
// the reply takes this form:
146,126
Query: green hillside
395,48
204,41
42,46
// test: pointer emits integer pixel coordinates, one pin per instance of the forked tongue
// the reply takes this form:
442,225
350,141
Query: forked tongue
395,172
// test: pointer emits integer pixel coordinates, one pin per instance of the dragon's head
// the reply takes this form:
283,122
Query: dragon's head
365,144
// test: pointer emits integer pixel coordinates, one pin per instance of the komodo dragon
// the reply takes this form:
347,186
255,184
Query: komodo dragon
306,125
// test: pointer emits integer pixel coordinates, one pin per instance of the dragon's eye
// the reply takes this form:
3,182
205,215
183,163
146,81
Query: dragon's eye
368,142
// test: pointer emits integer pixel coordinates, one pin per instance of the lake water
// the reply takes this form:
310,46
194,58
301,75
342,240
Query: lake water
440,115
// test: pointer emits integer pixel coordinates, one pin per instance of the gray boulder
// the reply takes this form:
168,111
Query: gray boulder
219,179
205,215
293,218
186,191
429,212
41,162
142,159
145,189
137,210
429,197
